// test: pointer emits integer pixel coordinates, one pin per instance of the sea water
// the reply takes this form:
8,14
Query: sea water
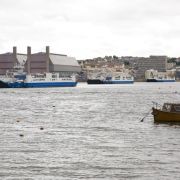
88,132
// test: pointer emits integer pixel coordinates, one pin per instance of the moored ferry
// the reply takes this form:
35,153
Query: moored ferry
111,78
49,80
155,76
38,80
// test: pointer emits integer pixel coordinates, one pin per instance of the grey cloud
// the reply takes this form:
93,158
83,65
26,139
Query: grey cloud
85,28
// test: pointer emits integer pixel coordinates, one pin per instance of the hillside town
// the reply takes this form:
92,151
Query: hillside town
65,66
137,66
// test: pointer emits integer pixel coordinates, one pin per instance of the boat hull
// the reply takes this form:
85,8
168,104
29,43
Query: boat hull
36,85
50,84
94,81
165,117
118,82
160,80
97,81
3,85
11,85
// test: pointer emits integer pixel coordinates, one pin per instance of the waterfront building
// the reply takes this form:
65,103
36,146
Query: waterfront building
158,63
50,62
39,62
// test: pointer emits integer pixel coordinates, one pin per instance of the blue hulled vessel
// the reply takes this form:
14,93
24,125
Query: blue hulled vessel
110,78
37,80
155,76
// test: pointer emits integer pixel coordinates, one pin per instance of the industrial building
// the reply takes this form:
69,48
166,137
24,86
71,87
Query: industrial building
39,62
9,60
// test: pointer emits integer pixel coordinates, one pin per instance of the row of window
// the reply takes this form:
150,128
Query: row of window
117,78
41,79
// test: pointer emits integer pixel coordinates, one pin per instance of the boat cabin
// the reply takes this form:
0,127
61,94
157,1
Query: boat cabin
170,107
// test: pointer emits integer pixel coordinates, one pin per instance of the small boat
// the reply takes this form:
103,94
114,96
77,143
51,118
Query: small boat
168,113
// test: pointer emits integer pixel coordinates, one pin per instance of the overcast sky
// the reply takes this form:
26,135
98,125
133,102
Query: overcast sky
91,28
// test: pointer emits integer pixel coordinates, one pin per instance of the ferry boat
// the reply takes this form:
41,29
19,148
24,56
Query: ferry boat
155,76
111,78
37,80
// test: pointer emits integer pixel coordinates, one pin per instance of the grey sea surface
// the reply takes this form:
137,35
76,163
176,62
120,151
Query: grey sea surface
88,132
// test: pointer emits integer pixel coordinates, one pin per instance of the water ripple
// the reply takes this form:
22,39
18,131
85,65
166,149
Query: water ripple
87,132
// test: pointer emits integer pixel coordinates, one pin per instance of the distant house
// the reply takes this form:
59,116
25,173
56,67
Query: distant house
9,60
50,62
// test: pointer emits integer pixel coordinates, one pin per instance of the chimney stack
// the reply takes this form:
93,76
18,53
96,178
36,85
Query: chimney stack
28,59
28,50
47,59
47,50
15,51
